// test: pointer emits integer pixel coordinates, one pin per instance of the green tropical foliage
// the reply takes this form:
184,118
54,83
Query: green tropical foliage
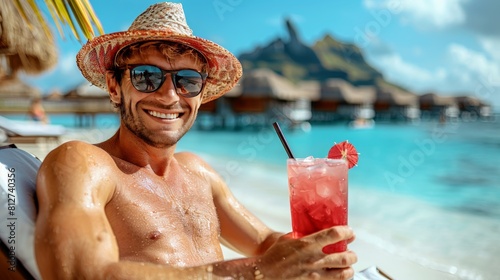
78,15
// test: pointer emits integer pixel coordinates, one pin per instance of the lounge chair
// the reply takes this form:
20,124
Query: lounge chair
30,132
18,208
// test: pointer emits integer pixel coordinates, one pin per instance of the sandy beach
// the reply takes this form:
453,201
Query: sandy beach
370,248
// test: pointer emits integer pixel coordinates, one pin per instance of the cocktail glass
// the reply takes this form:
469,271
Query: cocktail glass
318,196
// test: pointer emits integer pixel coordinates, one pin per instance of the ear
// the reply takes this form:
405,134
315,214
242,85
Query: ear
113,87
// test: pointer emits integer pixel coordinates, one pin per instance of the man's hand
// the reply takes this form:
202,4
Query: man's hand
303,258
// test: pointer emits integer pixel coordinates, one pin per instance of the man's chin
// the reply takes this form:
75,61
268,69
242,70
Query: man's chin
163,138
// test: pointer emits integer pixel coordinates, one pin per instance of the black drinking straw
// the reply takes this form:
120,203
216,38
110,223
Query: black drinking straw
283,140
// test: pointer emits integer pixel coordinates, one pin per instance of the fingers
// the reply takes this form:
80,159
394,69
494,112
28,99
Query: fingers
350,240
338,260
336,273
331,235
334,266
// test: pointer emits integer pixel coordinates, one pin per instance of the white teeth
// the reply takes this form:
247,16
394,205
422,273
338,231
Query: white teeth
163,115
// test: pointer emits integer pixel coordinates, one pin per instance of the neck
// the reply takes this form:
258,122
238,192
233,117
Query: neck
128,147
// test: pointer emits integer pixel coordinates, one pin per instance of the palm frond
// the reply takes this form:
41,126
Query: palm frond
53,15
77,15
81,17
93,17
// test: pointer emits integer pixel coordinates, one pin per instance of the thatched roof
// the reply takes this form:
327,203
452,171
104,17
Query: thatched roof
86,90
311,89
433,99
395,96
266,83
235,91
12,87
469,101
342,91
24,46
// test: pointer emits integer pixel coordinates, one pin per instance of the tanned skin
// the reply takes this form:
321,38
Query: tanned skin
132,208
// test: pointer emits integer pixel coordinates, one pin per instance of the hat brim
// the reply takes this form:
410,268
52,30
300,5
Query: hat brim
97,56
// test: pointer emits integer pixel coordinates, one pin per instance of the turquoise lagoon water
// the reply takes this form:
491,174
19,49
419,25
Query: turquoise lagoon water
427,191
454,165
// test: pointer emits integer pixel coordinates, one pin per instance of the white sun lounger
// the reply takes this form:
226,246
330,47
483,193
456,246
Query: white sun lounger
18,209
29,131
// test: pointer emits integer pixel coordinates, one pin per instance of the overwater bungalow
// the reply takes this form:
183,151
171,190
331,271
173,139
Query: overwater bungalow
260,96
86,91
472,107
433,105
394,104
85,101
15,95
338,99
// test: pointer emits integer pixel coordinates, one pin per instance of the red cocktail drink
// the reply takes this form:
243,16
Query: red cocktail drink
318,196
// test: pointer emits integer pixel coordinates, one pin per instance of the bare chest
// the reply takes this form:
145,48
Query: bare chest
165,221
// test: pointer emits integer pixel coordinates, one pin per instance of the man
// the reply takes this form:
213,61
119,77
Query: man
132,208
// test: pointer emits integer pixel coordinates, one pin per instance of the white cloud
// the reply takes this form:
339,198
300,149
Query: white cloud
491,46
464,70
440,14
476,64
399,71
424,13
474,72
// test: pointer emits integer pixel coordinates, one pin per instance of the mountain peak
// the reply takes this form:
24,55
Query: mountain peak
292,31
327,58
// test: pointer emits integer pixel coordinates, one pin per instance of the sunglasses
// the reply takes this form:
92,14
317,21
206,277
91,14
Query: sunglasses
149,78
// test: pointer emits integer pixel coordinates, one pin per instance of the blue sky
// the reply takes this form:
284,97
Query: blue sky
451,47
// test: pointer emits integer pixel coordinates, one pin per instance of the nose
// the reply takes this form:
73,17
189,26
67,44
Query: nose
167,92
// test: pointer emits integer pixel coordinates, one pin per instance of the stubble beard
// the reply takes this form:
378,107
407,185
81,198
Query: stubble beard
134,125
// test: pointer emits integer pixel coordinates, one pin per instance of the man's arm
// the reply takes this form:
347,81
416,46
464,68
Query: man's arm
244,232
72,236
241,230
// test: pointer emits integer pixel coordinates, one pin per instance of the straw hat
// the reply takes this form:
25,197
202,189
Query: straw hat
160,22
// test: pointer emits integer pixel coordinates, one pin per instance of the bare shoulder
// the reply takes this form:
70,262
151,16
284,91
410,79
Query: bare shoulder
78,157
77,150
78,165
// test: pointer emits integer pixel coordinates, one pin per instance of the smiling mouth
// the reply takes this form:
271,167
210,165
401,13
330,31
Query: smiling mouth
170,116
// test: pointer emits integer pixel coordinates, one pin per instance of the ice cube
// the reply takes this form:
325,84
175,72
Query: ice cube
309,197
324,188
318,172
318,214
309,158
337,198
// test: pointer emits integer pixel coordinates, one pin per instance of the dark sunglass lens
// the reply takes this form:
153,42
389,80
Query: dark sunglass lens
146,78
188,82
